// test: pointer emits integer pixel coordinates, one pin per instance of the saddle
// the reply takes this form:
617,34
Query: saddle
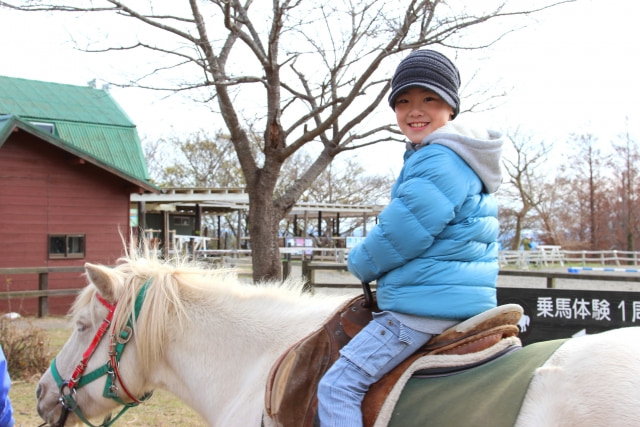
290,397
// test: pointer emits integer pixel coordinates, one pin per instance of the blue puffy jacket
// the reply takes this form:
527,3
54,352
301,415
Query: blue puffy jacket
434,251
6,410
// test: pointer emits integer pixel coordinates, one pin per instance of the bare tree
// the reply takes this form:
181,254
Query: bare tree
346,183
349,183
196,160
626,187
586,190
525,169
306,72
551,208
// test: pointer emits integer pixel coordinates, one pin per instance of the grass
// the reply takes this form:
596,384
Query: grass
163,409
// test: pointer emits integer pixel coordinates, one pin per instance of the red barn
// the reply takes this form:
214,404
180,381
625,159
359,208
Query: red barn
69,160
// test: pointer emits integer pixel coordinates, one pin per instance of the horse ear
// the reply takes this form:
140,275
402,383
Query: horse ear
103,279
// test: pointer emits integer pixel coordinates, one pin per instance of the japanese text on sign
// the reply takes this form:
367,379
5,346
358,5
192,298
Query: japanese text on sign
581,308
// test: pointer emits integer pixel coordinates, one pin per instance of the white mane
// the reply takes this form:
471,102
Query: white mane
184,294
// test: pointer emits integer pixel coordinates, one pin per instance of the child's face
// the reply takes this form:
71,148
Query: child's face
419,112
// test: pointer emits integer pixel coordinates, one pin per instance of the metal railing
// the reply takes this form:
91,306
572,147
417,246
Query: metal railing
552,255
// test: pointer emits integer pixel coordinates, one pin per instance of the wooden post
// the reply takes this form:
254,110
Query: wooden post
198,221
286,266
166,244
239,233
307,276
43,302
364,225
142,216
306,271
551,282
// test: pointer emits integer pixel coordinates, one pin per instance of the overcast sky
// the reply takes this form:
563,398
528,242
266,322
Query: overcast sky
576,70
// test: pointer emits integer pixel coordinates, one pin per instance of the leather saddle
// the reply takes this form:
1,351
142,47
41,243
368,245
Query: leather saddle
290,397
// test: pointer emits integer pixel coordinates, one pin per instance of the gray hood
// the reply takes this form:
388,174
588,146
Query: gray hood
481,150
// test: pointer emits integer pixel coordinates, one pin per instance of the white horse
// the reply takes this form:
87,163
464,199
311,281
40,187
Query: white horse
211,341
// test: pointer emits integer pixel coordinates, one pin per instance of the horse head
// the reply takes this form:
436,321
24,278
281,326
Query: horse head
93,375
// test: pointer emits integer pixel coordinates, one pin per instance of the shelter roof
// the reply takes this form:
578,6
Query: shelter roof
234,198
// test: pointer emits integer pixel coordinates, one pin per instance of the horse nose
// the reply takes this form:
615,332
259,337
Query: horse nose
39,391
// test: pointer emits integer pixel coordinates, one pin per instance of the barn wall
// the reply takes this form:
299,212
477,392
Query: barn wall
44,190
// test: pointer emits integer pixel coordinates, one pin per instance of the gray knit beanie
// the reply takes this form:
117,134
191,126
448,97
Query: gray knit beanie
431,70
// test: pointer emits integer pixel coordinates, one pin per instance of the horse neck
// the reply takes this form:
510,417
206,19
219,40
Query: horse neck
269,320
224,356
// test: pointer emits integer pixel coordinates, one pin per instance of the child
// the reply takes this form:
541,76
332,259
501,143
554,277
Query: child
6,409
434,253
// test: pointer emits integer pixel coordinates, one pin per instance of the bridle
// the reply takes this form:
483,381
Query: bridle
78,379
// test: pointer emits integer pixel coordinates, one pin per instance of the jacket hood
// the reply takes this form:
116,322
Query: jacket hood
480,149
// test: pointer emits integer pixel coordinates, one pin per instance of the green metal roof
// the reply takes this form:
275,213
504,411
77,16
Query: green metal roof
84,118
55,101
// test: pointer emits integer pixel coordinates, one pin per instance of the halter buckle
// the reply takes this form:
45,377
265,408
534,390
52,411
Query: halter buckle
125,335
68,397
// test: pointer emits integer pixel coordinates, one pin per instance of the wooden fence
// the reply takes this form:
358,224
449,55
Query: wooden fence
308,272
309,268
43,291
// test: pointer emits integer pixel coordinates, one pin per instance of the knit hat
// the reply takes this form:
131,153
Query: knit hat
431,70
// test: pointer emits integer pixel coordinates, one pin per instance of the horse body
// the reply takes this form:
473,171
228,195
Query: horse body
592,380
211,341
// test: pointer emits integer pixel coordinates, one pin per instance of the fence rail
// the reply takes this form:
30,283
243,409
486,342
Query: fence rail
309,268
602,258
43,292
519,258
551,255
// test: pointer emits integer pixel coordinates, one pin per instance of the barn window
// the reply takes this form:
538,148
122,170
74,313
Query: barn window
66,245
47,127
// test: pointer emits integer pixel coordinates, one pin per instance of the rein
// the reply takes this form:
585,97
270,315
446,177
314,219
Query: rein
110,368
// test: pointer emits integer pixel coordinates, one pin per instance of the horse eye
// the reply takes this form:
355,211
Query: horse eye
81,327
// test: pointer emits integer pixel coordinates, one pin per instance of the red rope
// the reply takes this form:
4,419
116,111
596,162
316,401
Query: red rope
114,365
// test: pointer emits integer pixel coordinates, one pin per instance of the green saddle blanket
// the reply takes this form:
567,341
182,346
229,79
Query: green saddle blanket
486,396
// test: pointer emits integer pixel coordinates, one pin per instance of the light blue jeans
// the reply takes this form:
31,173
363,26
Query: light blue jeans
379,347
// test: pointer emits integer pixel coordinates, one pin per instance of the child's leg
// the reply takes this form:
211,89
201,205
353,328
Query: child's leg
375,350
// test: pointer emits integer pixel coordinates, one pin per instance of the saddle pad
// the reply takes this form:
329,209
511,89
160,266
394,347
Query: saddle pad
489,395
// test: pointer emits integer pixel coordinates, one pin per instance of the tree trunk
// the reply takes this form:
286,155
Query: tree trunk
263,230
517,237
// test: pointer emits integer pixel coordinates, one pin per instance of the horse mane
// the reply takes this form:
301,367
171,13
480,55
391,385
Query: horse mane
174,285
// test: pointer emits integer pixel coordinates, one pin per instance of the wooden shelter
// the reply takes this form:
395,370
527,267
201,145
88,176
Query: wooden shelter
69,160
177,212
